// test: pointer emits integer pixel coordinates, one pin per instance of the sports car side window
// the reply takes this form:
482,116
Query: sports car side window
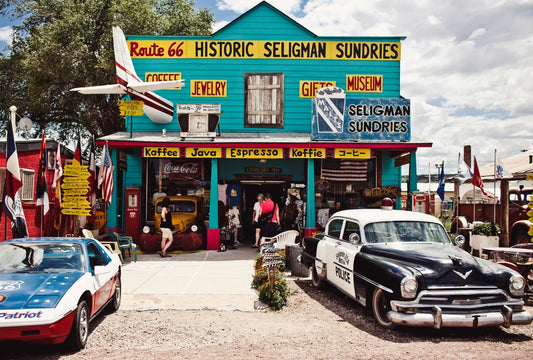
335,227
96,257
349,229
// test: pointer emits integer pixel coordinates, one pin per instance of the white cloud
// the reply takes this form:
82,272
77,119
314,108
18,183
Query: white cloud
466,66
5,34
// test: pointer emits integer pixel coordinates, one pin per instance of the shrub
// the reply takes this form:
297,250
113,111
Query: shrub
486,228
277,297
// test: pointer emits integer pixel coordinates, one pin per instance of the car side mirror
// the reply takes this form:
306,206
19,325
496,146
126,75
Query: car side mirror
354,239
459,241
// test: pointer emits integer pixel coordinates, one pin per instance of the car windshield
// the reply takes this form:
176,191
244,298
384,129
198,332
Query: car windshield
32,257
405,231
186,206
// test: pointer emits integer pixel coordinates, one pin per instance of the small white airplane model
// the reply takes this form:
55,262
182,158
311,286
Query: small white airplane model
157,108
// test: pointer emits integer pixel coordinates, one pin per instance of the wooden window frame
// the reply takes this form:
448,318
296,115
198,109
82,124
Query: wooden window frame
279,90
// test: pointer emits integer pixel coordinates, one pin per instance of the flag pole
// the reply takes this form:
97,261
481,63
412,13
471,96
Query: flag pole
495,187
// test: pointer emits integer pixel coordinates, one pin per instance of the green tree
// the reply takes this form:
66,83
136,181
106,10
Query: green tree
62,44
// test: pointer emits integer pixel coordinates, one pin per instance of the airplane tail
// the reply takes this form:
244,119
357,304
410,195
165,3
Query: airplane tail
125,70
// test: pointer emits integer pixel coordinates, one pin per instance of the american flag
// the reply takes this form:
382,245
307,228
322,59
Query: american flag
11,204
343,170
105,176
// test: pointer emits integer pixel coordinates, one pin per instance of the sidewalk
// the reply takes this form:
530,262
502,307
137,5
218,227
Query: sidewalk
199,280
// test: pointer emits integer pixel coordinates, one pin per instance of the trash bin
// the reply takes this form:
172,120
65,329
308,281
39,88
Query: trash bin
297,269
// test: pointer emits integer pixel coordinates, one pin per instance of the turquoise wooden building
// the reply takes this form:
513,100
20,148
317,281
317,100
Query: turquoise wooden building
266,106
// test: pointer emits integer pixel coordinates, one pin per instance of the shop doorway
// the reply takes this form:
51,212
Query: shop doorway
250,190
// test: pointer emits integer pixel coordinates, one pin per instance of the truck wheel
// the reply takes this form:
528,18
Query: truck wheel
380,308
317,280
79,333
520,236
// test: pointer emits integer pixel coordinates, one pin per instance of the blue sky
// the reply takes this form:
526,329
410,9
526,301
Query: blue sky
467,66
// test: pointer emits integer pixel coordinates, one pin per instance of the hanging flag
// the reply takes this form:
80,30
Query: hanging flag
499,170
343,170
440,189
42,191
11,204
92,176
463,172
105,175
77,152
58,173
476,181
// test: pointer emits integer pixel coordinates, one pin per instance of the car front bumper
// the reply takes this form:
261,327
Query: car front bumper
54,333
437,319
460,308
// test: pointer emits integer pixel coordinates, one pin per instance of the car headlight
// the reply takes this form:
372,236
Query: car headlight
408,287
194,228
516,285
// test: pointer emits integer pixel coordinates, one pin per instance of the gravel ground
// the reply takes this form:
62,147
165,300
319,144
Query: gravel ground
316,324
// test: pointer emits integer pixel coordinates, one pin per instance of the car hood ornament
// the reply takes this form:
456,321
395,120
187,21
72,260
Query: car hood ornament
461,275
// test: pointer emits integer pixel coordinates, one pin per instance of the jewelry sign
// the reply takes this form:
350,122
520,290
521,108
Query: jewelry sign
338,118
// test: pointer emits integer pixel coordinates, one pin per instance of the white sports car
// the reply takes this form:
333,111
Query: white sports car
50,288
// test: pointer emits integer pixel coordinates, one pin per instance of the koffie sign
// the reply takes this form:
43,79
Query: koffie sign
338,118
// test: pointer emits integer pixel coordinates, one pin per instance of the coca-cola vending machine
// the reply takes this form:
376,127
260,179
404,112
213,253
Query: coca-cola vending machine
132,221
421,203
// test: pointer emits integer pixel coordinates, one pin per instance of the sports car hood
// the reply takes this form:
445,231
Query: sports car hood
441,264
34,290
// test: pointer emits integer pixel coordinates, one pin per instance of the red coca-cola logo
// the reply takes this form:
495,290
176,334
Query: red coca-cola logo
186,169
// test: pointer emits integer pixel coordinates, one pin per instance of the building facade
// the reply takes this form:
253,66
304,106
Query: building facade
266,106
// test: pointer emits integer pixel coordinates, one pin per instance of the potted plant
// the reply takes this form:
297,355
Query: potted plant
484,235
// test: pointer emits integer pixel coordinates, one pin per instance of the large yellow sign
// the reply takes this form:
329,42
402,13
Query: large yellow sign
246,49
352,153
364,83
203,152
308,88
209,88
254,153
161,152
75,189
307,153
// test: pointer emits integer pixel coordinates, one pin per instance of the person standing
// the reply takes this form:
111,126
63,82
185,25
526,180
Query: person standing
166,227
256,225
269,216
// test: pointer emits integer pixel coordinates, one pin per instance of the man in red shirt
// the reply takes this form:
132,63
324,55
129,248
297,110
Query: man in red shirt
270,227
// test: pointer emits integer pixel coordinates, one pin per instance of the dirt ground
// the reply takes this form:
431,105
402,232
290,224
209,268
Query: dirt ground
316,324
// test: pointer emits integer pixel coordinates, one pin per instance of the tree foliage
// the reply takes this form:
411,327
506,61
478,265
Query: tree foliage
62,44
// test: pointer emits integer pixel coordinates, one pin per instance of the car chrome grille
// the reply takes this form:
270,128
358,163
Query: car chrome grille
457,300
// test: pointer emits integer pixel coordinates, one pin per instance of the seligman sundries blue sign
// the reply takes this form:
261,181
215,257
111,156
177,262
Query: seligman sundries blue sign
338,118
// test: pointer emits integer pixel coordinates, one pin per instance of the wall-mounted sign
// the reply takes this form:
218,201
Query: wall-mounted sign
161,152
254,153
209,88
181,169
307,153
337,118
257,169
198,108
75,188
198,152
364,83
131,107
352,153
308,88
246,49
162,76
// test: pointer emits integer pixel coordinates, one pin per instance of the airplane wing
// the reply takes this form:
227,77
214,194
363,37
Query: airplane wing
101,89
156,85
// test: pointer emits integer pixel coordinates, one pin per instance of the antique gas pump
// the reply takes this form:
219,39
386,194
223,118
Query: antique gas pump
132,221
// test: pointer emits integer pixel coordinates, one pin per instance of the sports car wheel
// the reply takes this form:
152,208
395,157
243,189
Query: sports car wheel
79,333
117,296
317,281
380,307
